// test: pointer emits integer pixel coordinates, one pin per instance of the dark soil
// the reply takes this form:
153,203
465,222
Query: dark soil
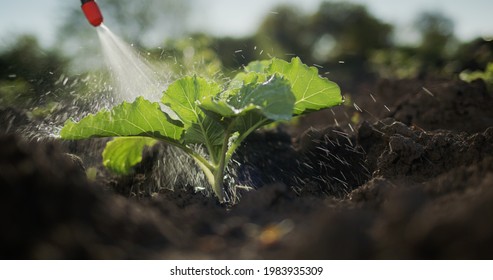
411,182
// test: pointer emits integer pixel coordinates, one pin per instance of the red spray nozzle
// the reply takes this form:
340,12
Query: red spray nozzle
92,12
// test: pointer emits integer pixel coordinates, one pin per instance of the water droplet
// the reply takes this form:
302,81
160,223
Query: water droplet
357,107
428,91
374,100
350,127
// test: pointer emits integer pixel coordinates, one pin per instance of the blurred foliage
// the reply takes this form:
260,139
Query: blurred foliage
397,62
339,37
36,81
42,112
234,53
282,34
355,31
486,76
432,56
437,35
344,40
336,30
188,56
28,73
474,55
15,93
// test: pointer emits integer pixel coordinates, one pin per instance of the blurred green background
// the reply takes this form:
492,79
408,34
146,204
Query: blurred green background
49,53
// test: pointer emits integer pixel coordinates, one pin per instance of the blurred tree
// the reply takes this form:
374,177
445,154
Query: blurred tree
346,36
336,29
337,32
28,73
437,34
236,52
435,55
353,29
283,33
474,55
399,62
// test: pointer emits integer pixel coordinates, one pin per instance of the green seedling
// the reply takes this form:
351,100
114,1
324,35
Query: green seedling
216,118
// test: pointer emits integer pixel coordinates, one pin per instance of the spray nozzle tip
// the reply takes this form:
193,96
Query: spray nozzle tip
92,12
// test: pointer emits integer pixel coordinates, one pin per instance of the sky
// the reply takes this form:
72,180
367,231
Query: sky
239,18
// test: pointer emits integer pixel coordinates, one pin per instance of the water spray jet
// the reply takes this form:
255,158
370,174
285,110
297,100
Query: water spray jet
92,12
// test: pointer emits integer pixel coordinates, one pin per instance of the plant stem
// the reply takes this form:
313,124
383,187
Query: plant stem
218,185
207,171
206,164
202,162
213,172
241,137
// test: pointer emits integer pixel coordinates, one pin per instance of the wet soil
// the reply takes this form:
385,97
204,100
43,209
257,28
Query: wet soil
413,179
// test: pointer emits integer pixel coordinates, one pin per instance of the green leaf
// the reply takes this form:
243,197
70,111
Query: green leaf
183,94
273,99
122,153
206,130
245,78
139,118
183,97
312,92
259,66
